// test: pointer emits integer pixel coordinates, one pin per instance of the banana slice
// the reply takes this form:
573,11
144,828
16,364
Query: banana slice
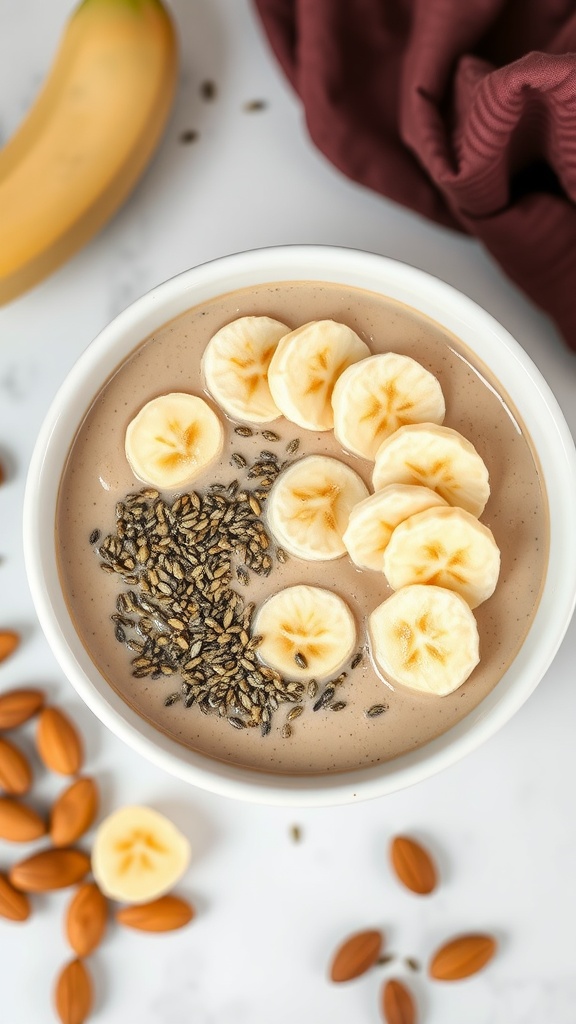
446,547
172,439
424,638
235,367
309,506
439,458
376,396
372,521
138,854
308,632
305,368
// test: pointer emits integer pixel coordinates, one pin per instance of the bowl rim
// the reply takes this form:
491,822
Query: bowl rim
519,378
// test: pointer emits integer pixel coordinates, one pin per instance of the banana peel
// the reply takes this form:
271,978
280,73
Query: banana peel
88,137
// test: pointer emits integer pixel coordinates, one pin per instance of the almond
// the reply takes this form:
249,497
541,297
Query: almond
15,772
162,915
461,957
86,919
413,865
8,643
17,706
73,995
73,812
59,743
398,1006
14,905
18,823
50,869
356,955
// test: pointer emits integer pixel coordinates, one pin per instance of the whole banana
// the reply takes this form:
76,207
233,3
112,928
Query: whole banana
88,137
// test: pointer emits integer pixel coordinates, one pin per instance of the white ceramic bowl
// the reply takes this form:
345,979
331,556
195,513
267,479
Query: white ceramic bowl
504,357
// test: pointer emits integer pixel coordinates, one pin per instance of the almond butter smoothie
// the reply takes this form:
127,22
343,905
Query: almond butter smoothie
147,624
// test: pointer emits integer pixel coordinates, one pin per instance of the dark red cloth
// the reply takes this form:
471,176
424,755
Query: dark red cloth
463,110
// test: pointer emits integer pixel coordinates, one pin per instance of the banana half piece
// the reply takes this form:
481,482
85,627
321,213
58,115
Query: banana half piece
138,855
307,632
437,457
376,396
372,521
310,504
305,368
235,367
172,439
445,547
424,638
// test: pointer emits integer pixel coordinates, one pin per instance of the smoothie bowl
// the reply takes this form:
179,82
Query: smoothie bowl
297,523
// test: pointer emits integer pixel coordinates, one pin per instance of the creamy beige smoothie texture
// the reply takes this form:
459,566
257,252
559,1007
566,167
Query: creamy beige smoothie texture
97,475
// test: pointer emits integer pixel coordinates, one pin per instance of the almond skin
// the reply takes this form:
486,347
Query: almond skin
50,869
413,865
73,812
17,706
74,994
462,957
15,771
162,915
18,823
398,1006
356,955
14,905
86,919
58,742
8,643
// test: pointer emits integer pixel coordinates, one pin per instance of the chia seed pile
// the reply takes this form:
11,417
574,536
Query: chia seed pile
181,615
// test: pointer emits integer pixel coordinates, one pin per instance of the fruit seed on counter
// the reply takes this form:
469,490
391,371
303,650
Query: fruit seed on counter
73,812
15,770
19,823
58,742
50,869
86,919
17,706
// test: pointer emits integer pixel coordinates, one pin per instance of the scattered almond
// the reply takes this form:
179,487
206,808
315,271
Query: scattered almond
59,743
463,956
398,1006
15,771
413,865
18,823
73,995
161,915
17,706
14,905
86,919
356,955
50,869
73,812
8,643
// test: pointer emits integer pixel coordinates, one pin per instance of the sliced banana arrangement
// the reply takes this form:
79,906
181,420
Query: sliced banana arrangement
437,457
373,520
310,505
446,547
235,366
420,528
376,396
305,368
307,632
172,439
425,638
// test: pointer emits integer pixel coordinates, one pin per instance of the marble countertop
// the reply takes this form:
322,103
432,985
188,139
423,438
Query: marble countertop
270,910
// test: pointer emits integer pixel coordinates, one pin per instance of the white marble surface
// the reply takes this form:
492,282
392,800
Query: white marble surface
270,911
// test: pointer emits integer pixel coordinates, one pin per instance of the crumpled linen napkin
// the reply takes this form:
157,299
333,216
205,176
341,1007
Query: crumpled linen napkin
463,110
